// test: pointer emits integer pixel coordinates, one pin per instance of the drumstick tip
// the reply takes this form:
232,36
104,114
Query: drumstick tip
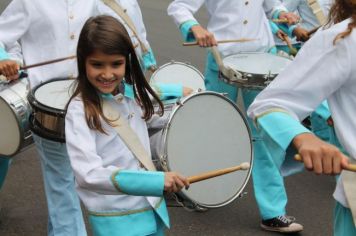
245,166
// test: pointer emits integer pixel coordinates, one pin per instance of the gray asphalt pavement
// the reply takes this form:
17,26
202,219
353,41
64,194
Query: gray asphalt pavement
22,198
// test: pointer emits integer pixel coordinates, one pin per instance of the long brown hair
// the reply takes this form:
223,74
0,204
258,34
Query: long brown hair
342,10
108,35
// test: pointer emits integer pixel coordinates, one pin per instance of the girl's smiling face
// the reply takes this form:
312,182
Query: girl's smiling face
104,71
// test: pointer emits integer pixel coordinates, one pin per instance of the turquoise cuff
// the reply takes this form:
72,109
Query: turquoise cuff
149,60
273,50
3,54
139,183
168,91
281,127
323,110
275,14
291,30
274,27
185,30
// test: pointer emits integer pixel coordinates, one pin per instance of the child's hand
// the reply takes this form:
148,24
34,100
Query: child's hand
174,182
280,34
203,37
9,69
319,156
187,91
301,34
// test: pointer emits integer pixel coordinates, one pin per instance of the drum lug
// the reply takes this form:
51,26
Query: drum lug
179,102
268,78
243,194
163,161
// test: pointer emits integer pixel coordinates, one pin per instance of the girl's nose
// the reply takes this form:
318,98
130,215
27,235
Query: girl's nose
107,75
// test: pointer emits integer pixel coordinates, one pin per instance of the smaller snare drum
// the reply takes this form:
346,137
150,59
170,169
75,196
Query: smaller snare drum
257,69
15,111
48,101
179,73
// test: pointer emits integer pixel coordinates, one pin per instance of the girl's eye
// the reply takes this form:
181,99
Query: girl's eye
96,64
117,63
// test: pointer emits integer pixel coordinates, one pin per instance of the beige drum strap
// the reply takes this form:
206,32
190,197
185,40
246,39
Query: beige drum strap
233,75
349,180
129,136
121,12
315,6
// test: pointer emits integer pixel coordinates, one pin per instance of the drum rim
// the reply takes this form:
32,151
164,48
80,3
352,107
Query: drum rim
248,176
38,106
172,62
43,131
21,129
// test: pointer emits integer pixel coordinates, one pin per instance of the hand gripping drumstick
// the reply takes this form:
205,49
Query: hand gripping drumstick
242,40
350,167
215,173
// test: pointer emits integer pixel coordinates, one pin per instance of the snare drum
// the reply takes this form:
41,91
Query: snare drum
179,73
254,70
205,132
15,111
48,101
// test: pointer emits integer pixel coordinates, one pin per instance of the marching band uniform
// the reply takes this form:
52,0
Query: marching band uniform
241,19
298,90
48,30
122,198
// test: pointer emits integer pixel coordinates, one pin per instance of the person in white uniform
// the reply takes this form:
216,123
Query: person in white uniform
232,20
121,196
48,30
323,69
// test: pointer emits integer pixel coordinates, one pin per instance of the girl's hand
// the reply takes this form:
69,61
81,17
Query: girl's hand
319,156
280,34
290,17
187,91
203,37
9,69
174,182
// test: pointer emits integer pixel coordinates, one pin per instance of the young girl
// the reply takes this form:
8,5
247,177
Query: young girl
122,198
323,69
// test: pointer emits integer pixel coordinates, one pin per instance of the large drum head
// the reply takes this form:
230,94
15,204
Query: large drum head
54,94
179,73
208,132
256,63
10,137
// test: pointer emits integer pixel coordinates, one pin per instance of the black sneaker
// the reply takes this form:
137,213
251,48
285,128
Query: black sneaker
282,224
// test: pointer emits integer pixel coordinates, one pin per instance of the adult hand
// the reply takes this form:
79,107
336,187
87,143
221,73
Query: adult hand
319,156
301,34
9,69
174,182
280,34
290,16
203,37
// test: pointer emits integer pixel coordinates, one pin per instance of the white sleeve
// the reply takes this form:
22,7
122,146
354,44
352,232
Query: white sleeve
15,53
291,5
14,22
87,165
271,6
184,10
319,69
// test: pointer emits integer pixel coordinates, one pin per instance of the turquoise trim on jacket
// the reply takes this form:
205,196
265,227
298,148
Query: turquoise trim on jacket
185,30
129,91
148,60
168,91
291,30
323,110
276,13
281,127
3,54
274,27
136,223
139,183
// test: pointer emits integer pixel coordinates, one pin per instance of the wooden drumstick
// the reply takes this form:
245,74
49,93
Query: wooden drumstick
242,40
350,167
215,173
292,49
47,62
